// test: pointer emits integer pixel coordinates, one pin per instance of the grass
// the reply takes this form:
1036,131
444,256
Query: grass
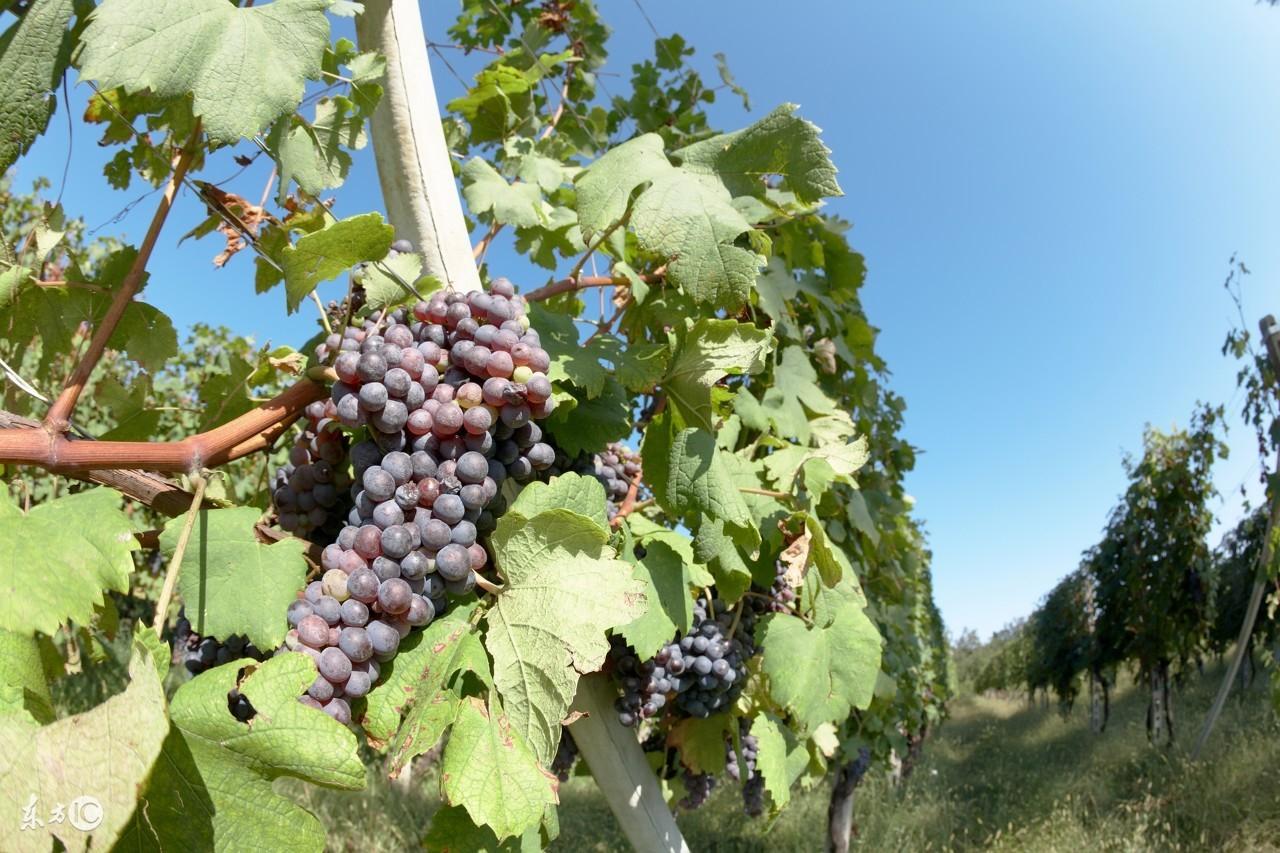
999,775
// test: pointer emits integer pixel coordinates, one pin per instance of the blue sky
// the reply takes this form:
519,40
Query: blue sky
1047,195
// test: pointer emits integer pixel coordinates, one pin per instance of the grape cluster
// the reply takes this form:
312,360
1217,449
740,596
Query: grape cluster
782,595
752,782
698,788
449,394
566,755
199,653
705,669
309,488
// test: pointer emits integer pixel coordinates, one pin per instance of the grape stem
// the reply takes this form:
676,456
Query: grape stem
253,431
582,282
768,493
58,418
488,585
175,564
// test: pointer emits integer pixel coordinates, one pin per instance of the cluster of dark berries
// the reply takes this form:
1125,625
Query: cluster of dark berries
752,782
782,595
704,670
697,787
198,653
566,755
449,393
309,489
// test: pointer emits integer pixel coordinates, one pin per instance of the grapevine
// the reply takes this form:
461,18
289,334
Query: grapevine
668,477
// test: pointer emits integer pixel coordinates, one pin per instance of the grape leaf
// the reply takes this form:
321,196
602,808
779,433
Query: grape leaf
821,673
230,582
563,590
795,387
33,56
698,482
244,67
709,351
666,577
832,564
642,366
23,688
416,684
212,788
492,106
570,361
574,492
772,751
776,288
72,577
701,742
490,771
97,516
689,220
105,754
780,144
591,424
383,289
486,191
327,253
833,441
452,831
606,186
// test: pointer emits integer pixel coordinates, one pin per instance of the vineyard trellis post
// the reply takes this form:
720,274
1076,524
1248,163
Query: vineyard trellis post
423,204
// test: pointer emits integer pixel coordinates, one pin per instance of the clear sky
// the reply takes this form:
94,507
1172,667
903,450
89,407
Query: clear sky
1047,195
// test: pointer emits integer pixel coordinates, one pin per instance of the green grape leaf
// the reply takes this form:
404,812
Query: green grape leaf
244,67
690,220
574,492
716,546
832,437
97,516
563,590
591,424
781,144
91,544
327,253
709,351
858,514
701,742
774,747
666,577
698,481
486,191
489,770
795,388
570,360
642,366
452,831
134,419
606,186
23,689
491,106
212,788
415,684
104,754
776,289
821,673
382,289
33,56
315,155
230,582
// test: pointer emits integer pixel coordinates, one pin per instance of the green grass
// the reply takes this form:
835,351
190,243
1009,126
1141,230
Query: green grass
999,775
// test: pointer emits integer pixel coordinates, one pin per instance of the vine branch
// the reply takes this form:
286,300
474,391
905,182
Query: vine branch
60,412
252,431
